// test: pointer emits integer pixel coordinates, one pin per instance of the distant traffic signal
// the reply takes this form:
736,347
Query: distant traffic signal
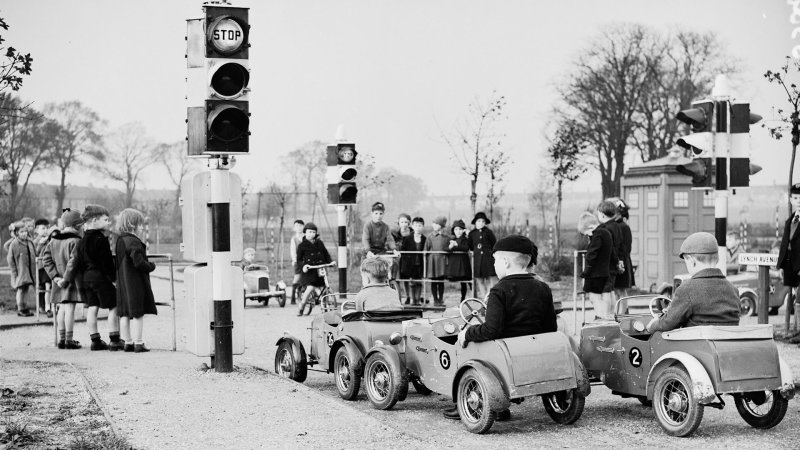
341,178
218,81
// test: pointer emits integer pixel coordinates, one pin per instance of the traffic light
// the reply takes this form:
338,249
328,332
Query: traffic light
699,117
701,170
740,166
341,175
218,116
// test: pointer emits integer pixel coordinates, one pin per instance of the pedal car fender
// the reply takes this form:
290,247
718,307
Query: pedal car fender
353,351
391,355
702,386
581,377
787,379
498,397
297,346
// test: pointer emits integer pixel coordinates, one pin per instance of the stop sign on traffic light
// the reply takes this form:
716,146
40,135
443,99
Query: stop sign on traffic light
218,81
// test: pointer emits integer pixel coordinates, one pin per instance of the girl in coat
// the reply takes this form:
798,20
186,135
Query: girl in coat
311,252
403,229
58,260
411,264
22,261
458,266
481,242
134,293
597,264
438,241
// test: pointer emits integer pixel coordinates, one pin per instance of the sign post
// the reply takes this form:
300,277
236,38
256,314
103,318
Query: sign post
764,261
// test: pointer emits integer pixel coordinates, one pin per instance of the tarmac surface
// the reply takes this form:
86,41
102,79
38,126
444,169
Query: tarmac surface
164,399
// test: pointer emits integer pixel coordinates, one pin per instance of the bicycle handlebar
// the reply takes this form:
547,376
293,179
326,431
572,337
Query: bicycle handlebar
320,266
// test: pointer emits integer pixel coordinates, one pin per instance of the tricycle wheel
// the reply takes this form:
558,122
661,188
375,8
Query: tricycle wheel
564,407
472,401
420,388
383,381
763,409
282,300
287,365
344,372
747,304
676,409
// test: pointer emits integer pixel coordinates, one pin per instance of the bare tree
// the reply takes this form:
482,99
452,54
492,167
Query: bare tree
79,139
281,196
12,68
495,165
130,152
541,196
307,164
565,154
175,159
475,137
787,120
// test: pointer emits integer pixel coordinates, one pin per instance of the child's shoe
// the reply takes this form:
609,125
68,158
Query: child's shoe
129,348
62,344
118,345
49,314
140,348
99,345
72,345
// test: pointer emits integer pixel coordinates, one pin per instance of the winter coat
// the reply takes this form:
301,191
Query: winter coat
39,244
134,293
625,280
22,261
481,242
437,262
95,260
313,254
598,255
411,264
458,266
59,261
617,251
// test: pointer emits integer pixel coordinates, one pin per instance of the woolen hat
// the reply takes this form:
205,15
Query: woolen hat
795,189
481,215
515,243
699,243
441,220
458,223
309,226
71,219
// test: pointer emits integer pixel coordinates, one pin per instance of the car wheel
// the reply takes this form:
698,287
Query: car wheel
472,401
344,372
564,407
747,304
282,300
676,409
763,409
286,364
383,380
420,388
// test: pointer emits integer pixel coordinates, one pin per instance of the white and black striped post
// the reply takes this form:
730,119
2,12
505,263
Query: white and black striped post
341,218
721,141
222,360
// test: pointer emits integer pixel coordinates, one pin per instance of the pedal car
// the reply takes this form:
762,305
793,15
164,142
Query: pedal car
257,287
683,370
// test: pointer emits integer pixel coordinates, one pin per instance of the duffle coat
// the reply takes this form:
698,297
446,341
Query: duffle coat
58,259
481,242
134,293
22,261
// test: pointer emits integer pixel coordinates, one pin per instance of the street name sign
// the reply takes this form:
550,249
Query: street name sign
758,259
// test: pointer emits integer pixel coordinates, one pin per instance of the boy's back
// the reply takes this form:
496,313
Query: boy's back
95,256
707,298
377,297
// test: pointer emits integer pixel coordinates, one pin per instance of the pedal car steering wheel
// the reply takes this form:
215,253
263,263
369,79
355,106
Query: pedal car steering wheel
658,305
472,308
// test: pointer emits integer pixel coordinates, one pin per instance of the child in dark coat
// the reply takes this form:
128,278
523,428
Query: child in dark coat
22,262
597,265
481,242
134,293
437,242
42,237
403,229
311,252
458,266
411,264
58,259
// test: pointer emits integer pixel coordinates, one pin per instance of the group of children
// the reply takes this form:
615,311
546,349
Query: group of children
76,264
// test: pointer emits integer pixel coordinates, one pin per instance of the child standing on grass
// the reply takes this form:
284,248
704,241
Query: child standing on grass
436,267
59,262
134,293
411,264
96,264
458,266
22,261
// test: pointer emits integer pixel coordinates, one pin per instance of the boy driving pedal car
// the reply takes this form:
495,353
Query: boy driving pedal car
376,293
705,299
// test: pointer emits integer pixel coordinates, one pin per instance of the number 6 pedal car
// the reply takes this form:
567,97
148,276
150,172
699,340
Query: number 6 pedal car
683,370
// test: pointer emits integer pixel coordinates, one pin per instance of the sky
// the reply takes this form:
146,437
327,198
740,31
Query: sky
394,73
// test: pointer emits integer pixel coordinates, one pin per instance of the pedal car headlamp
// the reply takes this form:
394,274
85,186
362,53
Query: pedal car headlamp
395,338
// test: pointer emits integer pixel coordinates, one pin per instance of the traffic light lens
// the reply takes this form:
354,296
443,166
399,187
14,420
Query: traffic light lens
230,80
228,123
226,35
349,174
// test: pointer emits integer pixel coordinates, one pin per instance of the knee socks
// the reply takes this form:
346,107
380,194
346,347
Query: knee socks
464,287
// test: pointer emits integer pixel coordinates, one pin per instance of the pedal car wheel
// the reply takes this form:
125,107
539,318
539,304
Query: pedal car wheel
347,380
420,388
383,381
564,407
747,304
286,364
763,409
282,300
473,403
676,409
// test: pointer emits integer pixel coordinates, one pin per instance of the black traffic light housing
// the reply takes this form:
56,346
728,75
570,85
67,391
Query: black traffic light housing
342,173
701,170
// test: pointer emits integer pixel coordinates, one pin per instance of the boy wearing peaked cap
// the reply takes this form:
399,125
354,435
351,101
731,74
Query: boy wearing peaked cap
705,299
789,254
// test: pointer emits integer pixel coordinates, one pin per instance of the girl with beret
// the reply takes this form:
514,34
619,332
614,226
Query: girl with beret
458,266
481,242
311,252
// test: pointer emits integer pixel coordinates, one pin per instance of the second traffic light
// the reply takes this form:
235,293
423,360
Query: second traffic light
218,115
341,175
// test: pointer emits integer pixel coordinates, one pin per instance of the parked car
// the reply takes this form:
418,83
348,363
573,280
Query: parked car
684,370
257,286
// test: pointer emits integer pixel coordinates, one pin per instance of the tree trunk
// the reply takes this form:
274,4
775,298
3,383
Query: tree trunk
61,192
473,197
558,219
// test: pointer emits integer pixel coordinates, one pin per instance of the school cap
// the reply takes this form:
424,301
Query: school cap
699,243
378,206
795,189
441,220
71,219
515,243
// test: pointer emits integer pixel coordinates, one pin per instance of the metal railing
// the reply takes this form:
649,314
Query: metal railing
424,280
168,257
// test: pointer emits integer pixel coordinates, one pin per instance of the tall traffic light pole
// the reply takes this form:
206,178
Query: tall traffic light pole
342,191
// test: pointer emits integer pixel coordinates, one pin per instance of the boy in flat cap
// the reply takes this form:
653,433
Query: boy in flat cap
789,254
705,299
